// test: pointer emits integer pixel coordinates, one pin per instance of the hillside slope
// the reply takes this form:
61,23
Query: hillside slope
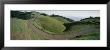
45,27
49,24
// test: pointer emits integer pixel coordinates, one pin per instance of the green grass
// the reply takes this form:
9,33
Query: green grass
15,26
20,30
38,25
89,36
61,19
77,28
50,25
95,35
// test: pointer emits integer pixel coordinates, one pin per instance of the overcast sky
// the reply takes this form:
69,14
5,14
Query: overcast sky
73,14
77,13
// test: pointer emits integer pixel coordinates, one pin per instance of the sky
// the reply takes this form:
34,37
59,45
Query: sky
73,14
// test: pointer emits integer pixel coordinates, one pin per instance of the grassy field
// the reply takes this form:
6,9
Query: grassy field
49,24
77,28
88,36
41,27
61,19
21,31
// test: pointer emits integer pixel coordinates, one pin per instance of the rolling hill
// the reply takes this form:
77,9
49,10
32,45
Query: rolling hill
38,26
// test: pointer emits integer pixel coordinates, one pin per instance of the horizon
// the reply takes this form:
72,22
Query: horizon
73,14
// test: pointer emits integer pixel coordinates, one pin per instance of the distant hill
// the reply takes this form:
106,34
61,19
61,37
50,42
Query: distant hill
75,18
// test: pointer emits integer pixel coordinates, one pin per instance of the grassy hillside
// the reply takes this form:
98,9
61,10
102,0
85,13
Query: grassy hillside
50,24
21,31
92,33
61,19
37,26
89,36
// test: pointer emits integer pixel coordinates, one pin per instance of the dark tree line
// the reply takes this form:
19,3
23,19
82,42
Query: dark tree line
44,14
32,14
91,20
70,20
21,15
95,21
68,25
29,15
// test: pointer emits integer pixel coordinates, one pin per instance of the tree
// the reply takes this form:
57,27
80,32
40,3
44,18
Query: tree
70,20
14,13
21,15
44,14
91,17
